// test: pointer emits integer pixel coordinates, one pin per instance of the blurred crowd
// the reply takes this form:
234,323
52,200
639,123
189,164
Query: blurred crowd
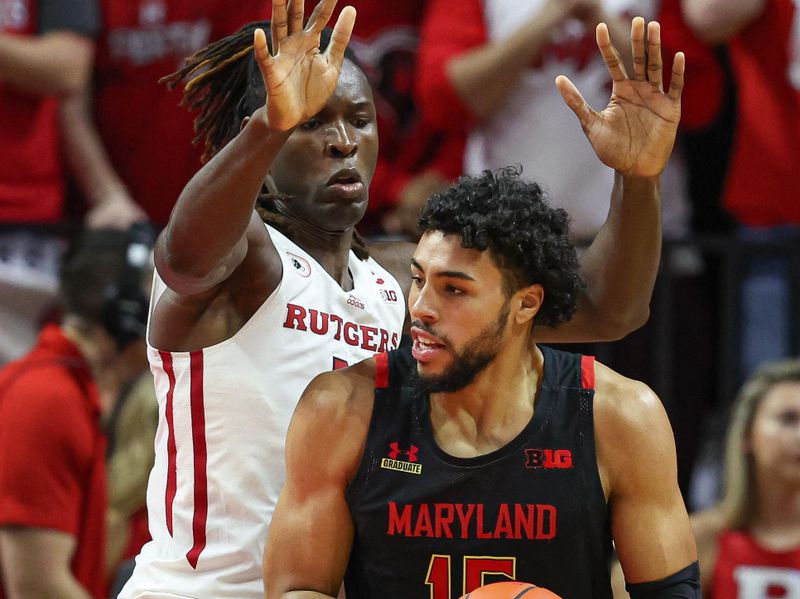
94,152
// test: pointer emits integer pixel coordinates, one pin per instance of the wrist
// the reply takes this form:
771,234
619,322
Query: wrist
114,193
259,123
639,185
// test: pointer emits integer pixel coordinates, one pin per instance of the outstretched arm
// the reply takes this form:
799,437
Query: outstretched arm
311,532
634,135
206,239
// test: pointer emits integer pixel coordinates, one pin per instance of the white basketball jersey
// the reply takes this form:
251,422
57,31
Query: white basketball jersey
223,415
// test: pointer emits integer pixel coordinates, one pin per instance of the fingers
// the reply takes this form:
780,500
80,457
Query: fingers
655,66
609,53
320,16
263,57
574,100
638,49
341,36
296,10
279,24
676,81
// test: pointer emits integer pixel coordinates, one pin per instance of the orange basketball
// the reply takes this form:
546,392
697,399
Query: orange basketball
510,590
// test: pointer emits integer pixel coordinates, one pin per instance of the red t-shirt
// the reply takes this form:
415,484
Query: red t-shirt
31,183
744,569
52,452
146,133
763,186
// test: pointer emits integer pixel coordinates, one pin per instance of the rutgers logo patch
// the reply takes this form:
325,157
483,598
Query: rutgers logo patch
548,459
300,264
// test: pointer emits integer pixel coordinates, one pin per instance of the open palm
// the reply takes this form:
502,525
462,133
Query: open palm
298,77
635,133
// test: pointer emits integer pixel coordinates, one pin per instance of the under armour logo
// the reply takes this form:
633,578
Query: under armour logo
410,453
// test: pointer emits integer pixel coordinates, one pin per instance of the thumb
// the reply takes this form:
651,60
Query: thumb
573,98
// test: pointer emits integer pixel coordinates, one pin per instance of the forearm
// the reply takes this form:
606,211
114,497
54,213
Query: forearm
53,64
46,586
85,153
621,264
716,21
483,77
214,209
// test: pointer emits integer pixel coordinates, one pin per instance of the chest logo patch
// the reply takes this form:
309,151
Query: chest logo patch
300,264
402,460
548,459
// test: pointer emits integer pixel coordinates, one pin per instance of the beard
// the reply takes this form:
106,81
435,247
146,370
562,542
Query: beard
477,354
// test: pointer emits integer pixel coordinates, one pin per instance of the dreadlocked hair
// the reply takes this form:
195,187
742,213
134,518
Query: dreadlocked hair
217,82
223,82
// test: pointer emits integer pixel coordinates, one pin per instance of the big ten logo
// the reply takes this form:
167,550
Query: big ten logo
549,459
388,295
14,14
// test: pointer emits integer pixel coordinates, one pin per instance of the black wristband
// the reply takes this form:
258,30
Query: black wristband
684,584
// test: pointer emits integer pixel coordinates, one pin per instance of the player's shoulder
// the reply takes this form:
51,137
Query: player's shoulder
623,402
628,411
341,390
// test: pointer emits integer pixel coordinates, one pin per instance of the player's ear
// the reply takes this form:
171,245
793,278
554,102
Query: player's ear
244,122
528,302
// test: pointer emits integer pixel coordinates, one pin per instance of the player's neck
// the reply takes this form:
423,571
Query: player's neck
493,409
330,248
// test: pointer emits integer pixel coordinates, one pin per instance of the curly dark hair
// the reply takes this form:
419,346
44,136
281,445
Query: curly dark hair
223,83
527,237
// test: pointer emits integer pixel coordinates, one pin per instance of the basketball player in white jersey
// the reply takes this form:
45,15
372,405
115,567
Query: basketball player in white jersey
245,314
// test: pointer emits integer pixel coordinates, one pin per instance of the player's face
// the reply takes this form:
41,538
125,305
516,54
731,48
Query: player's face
458,309
775,434
327,163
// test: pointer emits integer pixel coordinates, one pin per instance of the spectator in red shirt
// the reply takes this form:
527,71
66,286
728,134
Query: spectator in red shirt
126,171
45,53
487,70
52,401
762,186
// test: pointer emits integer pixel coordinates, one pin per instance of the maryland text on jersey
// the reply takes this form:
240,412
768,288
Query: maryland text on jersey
374,339
528,521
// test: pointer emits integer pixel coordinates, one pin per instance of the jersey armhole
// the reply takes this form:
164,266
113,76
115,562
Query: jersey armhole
587,372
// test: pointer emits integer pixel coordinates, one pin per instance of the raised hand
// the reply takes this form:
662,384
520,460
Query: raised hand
299,78
635,133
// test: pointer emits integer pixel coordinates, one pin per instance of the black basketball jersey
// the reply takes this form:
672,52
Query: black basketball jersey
432,526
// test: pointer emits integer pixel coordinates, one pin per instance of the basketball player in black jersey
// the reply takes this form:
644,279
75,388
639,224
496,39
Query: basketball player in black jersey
476,455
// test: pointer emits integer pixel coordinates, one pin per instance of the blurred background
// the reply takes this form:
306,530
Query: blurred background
90,141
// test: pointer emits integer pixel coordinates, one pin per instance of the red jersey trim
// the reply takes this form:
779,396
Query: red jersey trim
200,458
172,450
587,372
381,370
